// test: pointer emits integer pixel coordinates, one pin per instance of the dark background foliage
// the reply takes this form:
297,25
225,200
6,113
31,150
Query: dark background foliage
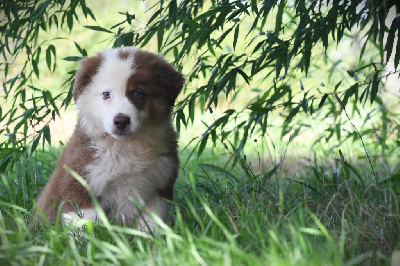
280,51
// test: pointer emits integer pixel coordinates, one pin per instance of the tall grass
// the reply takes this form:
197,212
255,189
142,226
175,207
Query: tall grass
325,214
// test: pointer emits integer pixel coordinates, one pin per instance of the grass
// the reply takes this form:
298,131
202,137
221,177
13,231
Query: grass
222,215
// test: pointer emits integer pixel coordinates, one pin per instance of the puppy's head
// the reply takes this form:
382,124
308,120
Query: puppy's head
123,91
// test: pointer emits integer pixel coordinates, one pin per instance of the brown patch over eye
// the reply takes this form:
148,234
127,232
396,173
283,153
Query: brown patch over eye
153,86
161,77
137,97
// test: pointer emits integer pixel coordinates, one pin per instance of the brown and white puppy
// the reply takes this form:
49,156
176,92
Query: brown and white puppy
124,144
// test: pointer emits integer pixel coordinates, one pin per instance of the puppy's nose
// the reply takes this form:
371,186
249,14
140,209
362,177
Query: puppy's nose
121,121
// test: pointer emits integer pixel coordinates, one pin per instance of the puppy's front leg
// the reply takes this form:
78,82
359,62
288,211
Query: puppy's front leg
157,206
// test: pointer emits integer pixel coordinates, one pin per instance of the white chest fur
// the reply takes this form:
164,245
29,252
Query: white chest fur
130,169
116,162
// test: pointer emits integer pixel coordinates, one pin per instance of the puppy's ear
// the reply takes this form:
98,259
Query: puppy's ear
170,79
84,75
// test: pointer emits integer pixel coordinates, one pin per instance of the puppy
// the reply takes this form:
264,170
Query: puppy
124,144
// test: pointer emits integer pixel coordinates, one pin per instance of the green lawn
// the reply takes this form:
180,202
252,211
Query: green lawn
320,215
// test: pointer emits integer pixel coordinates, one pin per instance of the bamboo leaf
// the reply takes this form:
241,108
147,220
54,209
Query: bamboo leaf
148,36
279,14
153,17
46,133
202,144
307,56
349,92
210,13
35,61
48,58
337,86
180,117
98,28
72,58
6,155
35,142
191,23
81,51
173,11
397,55
390,38
374,87
70,20
51,51
160,36
35,67
292,113
235,36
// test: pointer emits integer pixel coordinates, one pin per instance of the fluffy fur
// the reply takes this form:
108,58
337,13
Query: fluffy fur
124,144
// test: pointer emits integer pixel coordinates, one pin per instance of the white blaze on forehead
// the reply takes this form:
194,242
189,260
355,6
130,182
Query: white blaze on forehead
114,71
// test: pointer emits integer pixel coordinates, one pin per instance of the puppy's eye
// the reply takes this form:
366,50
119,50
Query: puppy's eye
106,95
137,95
